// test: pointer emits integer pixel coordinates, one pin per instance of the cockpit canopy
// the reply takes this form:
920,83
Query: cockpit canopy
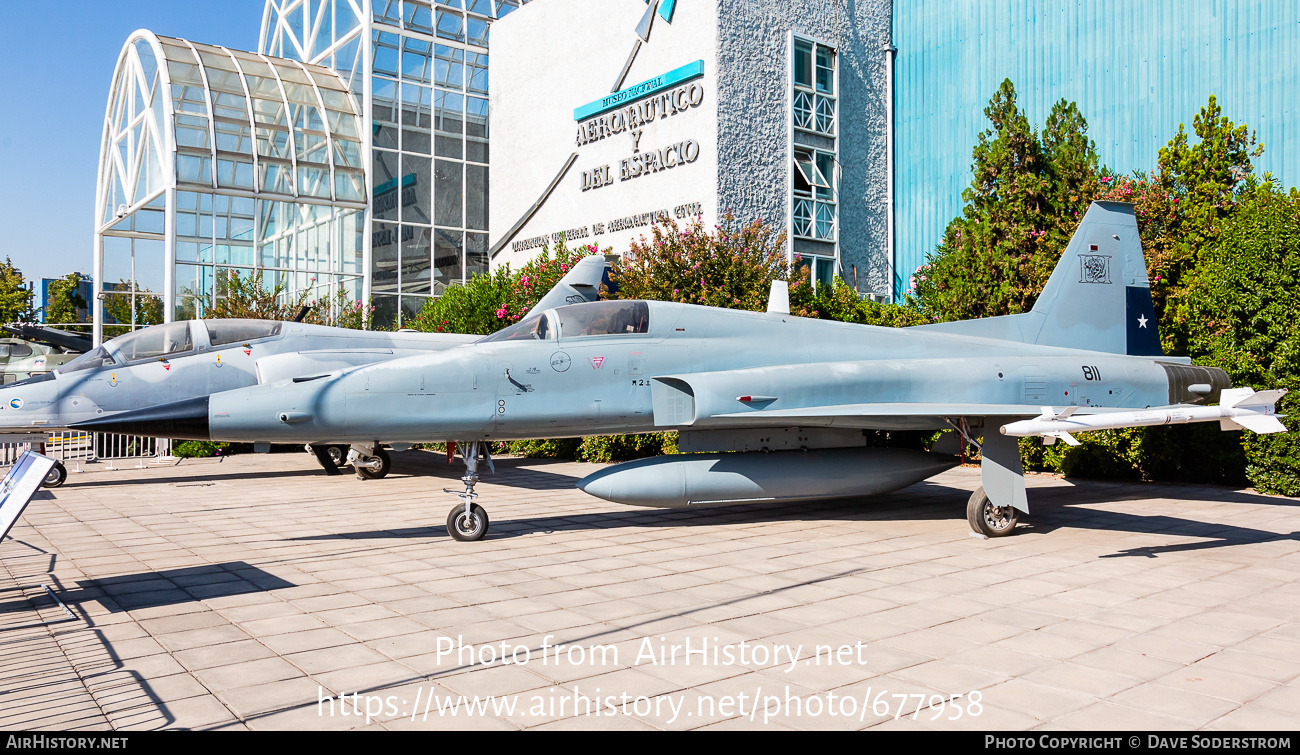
226,332
171,339
154,342
602,318
15,348
97,357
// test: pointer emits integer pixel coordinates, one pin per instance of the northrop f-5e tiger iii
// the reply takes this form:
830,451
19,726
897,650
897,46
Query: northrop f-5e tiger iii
776,406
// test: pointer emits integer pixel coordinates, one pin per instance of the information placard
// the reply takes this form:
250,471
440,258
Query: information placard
19,485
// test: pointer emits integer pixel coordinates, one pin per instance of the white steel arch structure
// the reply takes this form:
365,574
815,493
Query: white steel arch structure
213,160
419,72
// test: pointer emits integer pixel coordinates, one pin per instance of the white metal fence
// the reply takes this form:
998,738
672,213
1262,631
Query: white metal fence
76,448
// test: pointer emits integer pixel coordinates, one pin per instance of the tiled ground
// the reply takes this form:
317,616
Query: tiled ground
238,594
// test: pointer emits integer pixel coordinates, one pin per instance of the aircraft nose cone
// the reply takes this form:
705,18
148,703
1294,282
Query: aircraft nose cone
182,420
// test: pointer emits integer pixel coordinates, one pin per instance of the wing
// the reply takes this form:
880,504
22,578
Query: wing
907,394
884,416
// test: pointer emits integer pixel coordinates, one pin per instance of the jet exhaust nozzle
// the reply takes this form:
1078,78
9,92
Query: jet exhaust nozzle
181,420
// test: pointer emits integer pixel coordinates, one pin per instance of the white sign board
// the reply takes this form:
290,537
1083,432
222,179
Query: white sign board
17,488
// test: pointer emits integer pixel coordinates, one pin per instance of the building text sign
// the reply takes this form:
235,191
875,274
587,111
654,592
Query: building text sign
644,89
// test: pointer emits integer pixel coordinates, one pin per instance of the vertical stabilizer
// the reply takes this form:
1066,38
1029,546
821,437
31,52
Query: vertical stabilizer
580,284
1098,297
778,300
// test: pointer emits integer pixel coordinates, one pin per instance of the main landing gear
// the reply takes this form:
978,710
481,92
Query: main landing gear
370,466
467,520
56,476
988,519
371,462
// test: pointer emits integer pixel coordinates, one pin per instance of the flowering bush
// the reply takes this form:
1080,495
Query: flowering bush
341,311
491,301
732,266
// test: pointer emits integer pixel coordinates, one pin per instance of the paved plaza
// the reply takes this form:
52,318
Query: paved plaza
252,592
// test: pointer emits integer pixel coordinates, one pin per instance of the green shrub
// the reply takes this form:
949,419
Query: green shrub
562,448
199,449
611,448
1027,194
491,301
1242,307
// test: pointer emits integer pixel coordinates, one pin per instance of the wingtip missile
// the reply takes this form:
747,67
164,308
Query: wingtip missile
1239,408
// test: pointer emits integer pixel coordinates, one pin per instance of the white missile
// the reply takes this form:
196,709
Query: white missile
1238,409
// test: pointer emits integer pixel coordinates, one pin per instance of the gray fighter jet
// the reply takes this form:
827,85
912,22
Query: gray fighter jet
775,406
184,359
190,359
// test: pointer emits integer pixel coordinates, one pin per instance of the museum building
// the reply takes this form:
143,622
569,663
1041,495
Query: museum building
361,147
350,152
685,109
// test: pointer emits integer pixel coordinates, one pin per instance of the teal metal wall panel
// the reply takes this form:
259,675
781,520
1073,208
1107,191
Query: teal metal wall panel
1136,70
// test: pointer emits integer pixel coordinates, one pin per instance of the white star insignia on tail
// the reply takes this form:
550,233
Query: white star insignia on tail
1142,321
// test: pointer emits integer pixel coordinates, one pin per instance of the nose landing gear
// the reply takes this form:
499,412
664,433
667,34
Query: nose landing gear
467,520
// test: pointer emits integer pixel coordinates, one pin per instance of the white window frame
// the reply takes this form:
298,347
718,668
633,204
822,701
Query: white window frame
792,145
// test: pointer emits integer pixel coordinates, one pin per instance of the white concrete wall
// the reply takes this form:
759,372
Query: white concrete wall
552,56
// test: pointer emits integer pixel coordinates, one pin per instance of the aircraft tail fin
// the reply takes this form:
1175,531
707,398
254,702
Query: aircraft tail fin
778,299
1098,297
580,284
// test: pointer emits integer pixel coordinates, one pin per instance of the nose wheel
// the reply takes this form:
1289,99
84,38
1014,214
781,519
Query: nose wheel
466,523
467,520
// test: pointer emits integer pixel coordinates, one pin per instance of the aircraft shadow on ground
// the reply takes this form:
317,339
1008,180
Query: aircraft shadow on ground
171,586
214,477
1104,491
88,655
1053,507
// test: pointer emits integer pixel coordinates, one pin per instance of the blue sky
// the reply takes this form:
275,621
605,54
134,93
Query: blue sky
57,61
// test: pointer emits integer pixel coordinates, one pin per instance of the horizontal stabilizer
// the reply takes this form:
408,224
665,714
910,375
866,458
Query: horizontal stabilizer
1256,423
1250,397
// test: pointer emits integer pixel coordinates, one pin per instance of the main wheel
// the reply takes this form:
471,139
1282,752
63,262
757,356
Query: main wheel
56,476
385,463
989,520
466,527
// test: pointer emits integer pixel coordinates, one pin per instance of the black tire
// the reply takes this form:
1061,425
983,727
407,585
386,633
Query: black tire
337,454
988,520
467,528
57,475
385,464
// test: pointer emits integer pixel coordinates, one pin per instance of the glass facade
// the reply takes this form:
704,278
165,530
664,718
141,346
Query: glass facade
419,70
814,150
217,162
